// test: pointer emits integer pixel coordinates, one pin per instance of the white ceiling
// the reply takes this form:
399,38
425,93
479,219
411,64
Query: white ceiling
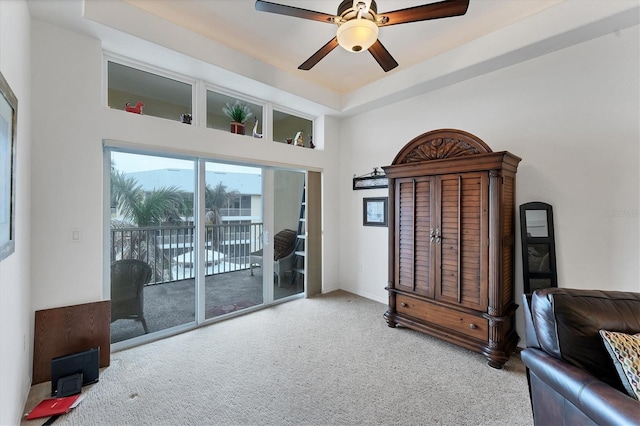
286,42
228,42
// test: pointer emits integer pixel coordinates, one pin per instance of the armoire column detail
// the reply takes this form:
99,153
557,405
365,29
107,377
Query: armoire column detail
451,242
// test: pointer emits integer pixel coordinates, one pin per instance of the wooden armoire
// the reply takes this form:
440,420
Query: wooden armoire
451,242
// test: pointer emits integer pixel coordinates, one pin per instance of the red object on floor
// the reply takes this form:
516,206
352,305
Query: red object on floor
53,406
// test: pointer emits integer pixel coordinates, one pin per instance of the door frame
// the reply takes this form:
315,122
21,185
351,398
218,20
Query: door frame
268,213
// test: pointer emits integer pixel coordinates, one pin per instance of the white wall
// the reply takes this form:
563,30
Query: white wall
331,188
67,161
66,167
572,115
16,333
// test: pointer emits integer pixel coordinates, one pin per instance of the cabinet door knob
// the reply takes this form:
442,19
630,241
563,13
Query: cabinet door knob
404,305
473,326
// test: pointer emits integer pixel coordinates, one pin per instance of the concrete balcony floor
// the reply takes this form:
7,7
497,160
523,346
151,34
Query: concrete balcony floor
172,304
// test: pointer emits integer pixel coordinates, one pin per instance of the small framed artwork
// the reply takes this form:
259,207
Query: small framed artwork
374,211
373,180
8,121
370,183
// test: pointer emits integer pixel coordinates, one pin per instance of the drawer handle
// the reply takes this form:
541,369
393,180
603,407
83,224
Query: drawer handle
473,326
404,305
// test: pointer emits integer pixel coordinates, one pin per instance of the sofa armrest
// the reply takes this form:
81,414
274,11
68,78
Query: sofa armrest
531,338
600,402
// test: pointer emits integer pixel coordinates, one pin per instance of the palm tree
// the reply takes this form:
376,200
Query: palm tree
145,208
215,199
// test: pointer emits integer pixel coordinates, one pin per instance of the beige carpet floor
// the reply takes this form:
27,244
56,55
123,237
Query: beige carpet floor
326,360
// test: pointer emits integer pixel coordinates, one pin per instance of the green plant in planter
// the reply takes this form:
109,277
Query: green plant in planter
238,112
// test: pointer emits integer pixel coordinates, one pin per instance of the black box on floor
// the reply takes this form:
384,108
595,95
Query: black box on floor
86,363
69,385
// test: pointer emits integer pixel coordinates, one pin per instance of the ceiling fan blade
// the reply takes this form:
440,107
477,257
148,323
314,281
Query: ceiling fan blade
382,56
281,9
316,57
443,9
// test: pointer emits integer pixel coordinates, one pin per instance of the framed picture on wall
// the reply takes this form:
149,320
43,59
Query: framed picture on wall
374,180
374,211
8,121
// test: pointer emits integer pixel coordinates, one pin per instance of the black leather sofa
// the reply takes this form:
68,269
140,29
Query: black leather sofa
572,379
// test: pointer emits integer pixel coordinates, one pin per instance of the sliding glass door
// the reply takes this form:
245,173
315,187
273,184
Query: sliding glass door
238,241
192,240
151,233
233,228
289,239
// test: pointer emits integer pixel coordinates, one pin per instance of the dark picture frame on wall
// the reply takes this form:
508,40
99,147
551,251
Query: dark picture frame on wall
8,122
374,211
373,180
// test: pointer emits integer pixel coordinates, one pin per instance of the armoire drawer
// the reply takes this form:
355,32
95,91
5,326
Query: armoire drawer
461,322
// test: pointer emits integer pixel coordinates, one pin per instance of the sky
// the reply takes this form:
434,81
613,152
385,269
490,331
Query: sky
126,162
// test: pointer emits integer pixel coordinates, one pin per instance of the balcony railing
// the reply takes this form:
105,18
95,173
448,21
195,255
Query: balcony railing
170,250
245,211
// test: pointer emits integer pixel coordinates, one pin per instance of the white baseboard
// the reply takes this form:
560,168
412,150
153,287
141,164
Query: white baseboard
366,295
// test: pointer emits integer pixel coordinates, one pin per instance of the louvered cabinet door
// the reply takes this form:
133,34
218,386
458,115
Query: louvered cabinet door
451,238
415,219
462,243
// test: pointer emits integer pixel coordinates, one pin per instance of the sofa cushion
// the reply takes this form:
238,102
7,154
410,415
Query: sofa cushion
567,323
624,350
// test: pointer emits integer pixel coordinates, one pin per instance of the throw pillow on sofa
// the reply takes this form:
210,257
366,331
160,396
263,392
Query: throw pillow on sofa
624,350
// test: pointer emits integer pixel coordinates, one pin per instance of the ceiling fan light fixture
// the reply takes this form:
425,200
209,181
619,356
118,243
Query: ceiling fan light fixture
357,35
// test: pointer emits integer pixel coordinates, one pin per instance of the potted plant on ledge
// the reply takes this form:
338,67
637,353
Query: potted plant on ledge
238,112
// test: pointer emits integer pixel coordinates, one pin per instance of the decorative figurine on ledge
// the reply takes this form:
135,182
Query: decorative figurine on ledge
185,118
289,141
134,109
311,145
255,130
299,139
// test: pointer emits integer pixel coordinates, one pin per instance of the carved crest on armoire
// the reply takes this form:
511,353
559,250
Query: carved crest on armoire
451,242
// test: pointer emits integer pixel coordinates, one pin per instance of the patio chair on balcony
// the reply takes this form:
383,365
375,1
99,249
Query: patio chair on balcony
283,245
128,277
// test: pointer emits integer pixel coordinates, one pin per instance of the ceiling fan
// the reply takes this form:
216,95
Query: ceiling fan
358,22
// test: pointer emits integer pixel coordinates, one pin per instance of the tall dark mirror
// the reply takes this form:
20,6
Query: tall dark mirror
538,246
